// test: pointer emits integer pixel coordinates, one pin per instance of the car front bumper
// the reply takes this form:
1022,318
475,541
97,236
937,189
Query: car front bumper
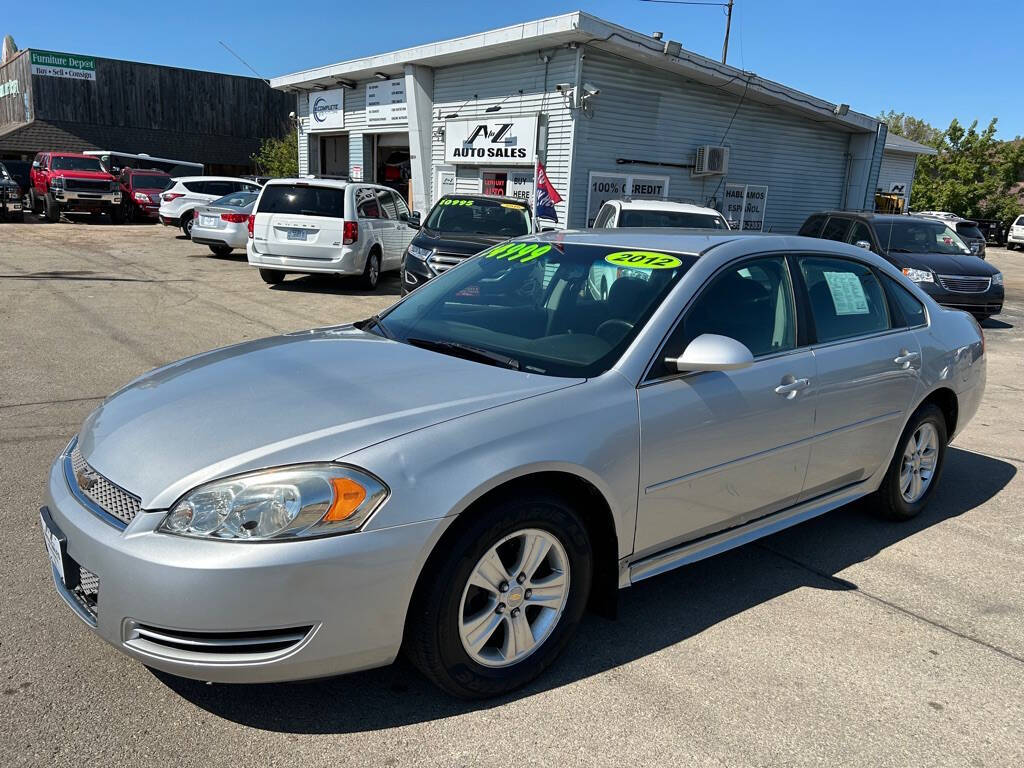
237,612
988,302
415,272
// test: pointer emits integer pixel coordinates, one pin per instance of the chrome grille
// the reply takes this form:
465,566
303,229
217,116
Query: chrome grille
442,262
87,593
86,185
110,498
961,284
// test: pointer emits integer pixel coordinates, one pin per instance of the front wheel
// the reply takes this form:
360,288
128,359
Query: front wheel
52,210
501,601
916,467
116,214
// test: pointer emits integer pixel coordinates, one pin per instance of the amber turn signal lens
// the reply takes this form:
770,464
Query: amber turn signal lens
348,496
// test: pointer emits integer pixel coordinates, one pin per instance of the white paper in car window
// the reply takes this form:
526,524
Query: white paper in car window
847,293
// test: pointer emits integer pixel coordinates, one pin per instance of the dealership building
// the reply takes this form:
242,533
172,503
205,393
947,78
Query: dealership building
70,102
609,111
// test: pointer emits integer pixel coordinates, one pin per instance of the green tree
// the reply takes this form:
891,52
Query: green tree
278,157
972,174
910,127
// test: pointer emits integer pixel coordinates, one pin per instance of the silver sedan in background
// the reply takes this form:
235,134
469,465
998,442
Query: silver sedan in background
223,224
462,475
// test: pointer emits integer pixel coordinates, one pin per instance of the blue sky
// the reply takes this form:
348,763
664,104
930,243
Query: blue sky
936,59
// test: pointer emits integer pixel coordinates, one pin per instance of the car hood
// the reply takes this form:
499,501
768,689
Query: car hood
83,175
311,396
467,245
944,263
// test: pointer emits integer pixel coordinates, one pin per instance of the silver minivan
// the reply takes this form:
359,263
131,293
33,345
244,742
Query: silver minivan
309,226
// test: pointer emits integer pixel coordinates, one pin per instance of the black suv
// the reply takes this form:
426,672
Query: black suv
926,249
10,197
460,226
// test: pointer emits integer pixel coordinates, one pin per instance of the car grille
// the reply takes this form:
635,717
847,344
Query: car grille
111,499
960,284
442,262
13,194
187,645
86,185
87,593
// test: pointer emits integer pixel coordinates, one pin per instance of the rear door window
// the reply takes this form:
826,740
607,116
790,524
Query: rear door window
812,227
367,204
303,200
836,229
198,187
219,188
386,202
858,232
845,296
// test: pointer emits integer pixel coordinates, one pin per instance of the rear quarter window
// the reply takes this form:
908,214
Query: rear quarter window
812,227
303,200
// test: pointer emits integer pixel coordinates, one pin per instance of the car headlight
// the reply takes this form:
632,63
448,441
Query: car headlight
997,278
57,183
420,253
919,275
142,197
287,503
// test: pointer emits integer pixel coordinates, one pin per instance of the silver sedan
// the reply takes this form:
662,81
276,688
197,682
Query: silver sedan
223,225
461,476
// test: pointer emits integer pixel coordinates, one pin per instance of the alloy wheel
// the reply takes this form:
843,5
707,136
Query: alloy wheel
514,598
919,460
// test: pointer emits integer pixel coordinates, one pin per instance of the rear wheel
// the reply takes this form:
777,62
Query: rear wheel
272,276
915,469
222,250
371,272
187,220
501,601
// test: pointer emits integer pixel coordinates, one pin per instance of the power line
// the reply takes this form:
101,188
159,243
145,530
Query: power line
261,77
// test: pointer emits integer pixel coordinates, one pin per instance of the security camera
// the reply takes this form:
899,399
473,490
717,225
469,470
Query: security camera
291,115
563,87
590,89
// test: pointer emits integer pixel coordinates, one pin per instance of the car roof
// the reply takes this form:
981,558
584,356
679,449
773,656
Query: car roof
692,241
319,182
70,154
880,218
212,178
664,205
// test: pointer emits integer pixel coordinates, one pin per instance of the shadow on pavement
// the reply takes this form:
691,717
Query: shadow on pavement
390,284
993,324
653,615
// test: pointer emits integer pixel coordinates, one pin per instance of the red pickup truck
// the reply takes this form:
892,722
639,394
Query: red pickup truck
65,181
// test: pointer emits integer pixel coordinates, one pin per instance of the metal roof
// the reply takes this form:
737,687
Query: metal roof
582,29
894,143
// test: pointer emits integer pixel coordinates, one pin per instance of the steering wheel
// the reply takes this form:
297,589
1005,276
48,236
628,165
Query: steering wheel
612,331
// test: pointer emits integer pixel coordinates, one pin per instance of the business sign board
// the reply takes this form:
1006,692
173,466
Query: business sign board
744,206
9,88
67,65
385,102
504,141
896,188
605,186
327,110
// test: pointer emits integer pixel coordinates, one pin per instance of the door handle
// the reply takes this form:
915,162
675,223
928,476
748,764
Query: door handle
790,386
906,357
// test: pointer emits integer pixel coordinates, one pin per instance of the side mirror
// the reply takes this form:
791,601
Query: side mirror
711,352
414,220
35,164
863,244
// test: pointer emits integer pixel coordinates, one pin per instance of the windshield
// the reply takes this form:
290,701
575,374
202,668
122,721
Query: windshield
470,216
913,236
77,164
303,199
151,181
969,231
631,217
236,199
559,309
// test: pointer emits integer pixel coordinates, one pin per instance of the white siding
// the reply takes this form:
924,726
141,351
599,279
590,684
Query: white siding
897,168
302,112
491,81
647,114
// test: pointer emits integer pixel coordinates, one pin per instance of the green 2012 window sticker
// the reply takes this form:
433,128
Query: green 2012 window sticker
643,260
520,252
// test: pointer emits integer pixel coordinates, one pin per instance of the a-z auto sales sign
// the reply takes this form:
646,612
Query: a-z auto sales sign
504,141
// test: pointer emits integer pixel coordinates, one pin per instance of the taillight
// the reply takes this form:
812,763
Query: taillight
350,232
172,196
252,223
235,218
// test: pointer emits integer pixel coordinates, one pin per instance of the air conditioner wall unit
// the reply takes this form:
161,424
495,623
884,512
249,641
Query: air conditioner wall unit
711,160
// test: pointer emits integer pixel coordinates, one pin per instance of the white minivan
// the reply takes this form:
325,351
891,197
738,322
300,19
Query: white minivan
1015,235
312,225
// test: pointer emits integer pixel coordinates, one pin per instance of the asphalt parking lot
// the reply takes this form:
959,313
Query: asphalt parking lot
844,641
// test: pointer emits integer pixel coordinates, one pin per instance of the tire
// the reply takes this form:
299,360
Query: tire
893,503
371,272
116,214
272,276
221,250
52,210
187,220
444,596
1011,246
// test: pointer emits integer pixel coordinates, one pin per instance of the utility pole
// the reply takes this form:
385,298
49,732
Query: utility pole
728,23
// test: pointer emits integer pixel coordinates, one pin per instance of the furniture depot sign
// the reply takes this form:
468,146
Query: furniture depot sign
67,65
504,141
744,206
327,110
385,102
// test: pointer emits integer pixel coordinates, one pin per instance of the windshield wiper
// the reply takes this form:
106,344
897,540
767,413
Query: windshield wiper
370,322
467,351
900,250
